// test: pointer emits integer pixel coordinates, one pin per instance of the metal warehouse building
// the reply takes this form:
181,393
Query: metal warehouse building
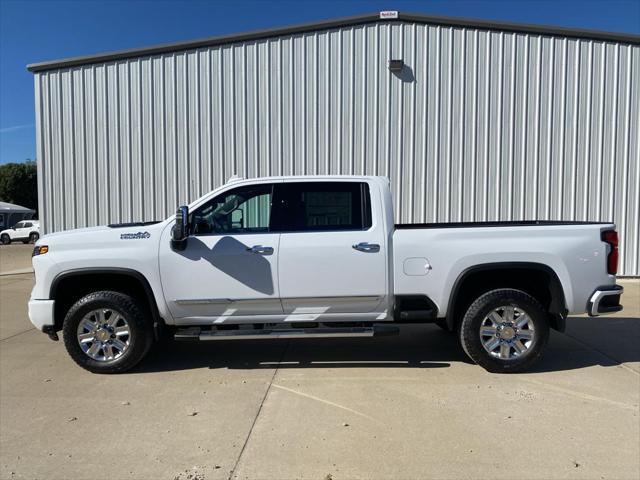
471,120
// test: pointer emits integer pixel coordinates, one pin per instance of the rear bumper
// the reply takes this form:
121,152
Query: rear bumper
41,313
605,300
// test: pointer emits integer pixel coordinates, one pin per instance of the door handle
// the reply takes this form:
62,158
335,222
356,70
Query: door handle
260,249
367,247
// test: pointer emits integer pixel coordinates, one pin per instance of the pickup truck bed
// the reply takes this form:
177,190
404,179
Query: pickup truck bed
501,223
567,256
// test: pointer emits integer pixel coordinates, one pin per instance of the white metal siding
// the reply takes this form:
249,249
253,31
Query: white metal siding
481,125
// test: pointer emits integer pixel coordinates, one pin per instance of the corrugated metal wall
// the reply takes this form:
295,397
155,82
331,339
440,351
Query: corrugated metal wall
480,125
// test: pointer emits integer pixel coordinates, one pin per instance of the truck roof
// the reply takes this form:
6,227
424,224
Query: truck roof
294,178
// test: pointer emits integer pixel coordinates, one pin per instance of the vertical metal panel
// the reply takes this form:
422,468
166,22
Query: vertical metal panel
480,125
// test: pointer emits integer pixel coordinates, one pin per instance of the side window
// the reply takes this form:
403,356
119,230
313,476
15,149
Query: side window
28,225
322,206
19,225
242,210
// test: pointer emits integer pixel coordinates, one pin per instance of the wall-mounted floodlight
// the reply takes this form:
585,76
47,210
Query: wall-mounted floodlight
395,66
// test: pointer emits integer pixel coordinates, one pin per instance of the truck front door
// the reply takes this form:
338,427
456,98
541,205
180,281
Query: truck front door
229,268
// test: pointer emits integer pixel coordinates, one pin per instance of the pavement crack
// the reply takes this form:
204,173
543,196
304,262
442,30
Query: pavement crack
581,395
16,272
255,420
597,350
15,335
327,402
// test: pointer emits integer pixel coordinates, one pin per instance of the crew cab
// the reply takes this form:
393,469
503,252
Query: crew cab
317,256
27,231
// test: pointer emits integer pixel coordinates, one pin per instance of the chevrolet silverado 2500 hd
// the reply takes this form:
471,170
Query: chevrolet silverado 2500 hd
291,257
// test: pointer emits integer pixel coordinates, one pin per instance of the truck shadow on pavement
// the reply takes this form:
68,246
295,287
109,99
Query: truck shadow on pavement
407,350
587,342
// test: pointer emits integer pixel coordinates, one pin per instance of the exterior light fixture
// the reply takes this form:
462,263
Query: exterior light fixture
395,66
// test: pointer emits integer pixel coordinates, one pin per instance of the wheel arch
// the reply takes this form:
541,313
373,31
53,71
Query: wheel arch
467,284
107,278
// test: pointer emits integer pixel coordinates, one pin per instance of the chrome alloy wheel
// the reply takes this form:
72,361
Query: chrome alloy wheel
507,332
104,334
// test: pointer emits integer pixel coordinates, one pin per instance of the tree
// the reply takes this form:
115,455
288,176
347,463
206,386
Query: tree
19,184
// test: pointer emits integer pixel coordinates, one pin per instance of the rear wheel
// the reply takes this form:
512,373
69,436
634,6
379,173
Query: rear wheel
5,239
33,237
106,332
504,331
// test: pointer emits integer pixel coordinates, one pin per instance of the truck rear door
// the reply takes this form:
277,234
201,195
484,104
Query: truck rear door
333,252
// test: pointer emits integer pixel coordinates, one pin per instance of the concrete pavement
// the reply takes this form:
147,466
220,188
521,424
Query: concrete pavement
390,407
15,258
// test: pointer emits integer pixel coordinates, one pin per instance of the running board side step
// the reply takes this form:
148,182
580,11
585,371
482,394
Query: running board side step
196,333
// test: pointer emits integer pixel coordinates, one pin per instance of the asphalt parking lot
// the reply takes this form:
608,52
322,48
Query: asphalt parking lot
391,407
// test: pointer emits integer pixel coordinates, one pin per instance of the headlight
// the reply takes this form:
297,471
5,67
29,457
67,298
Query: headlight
40,250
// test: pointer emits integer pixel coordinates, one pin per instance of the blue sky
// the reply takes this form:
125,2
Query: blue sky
34,31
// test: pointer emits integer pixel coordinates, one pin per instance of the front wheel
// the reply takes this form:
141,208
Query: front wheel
504,331
106,332
5,239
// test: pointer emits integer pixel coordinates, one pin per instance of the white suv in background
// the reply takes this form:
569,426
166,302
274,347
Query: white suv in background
27,231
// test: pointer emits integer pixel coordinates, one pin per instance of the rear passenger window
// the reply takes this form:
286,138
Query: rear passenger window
322,206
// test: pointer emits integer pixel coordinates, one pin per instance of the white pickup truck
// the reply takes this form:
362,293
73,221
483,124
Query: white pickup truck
292,257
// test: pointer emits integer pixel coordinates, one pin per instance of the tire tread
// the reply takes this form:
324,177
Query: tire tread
129,306
470,339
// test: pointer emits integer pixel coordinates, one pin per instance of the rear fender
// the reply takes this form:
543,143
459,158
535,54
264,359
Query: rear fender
557,306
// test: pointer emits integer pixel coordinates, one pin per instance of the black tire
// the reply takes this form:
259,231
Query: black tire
483,306
33,237
141,331
5,239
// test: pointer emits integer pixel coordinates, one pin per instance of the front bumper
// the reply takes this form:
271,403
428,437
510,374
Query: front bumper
41,313
605,300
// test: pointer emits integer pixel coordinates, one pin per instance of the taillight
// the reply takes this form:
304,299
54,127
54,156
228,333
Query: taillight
611,237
